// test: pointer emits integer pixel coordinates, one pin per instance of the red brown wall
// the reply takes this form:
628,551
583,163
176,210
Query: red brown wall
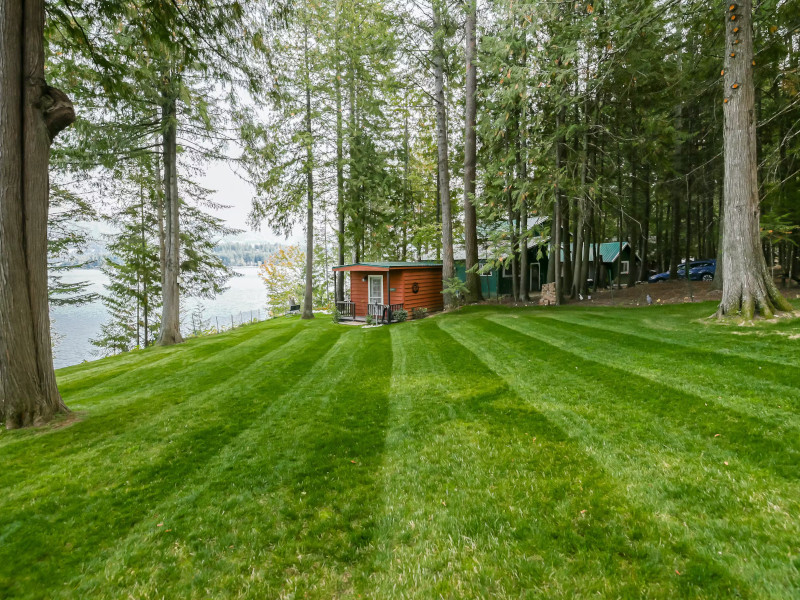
428,296
430,289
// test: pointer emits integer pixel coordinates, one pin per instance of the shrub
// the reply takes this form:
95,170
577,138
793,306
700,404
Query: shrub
336,315
419,312
370,320
457,289
400,315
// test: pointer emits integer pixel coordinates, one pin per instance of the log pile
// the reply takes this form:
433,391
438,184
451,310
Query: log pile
548,294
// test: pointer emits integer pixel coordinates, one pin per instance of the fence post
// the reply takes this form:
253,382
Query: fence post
231,321
217,318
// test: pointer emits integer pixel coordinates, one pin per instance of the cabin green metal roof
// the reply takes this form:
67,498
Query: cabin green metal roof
393,264
609,251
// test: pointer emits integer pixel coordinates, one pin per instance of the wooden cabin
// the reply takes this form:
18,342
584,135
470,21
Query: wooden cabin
380,288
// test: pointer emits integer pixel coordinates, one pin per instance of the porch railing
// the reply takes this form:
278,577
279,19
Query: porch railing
383,312
347,310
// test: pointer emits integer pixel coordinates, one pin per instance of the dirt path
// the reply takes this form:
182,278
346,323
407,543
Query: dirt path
668,292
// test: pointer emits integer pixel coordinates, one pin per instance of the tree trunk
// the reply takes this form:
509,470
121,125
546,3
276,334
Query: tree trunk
448,268
170,313
645,241
31,115
557,225
142,269
675,188
633,220
406,161
512,233
470,112
555,258
551,265
340,232
579,267
565,239
308,297
748,287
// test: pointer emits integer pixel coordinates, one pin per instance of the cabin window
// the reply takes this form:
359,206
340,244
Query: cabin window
376,289
626,267
487,273
506,272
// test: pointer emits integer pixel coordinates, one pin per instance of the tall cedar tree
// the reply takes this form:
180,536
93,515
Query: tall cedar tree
31,115
748,287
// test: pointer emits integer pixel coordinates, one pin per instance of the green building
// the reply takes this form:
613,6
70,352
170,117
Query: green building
496,282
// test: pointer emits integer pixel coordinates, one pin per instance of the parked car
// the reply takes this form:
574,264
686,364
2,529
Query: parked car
699,270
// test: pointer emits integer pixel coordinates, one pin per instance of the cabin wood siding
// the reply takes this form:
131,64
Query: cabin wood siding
401,280
359,289
430,290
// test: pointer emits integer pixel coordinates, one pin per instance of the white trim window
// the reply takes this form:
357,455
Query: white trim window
507,273
626,267
375,289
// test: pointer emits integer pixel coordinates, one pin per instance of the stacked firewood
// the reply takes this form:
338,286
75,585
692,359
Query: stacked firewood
548,294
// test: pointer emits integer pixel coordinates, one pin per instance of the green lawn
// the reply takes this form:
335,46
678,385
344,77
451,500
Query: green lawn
494,453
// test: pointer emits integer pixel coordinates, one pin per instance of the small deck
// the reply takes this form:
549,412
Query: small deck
381,313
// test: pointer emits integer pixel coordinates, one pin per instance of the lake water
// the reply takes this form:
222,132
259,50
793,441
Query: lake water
74,326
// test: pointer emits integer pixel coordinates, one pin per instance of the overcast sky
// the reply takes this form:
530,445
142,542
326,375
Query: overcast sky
231,190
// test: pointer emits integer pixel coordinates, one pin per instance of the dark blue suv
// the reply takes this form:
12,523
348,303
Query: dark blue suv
699,270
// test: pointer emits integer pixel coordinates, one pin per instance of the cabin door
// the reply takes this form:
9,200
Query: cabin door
376,289
535,282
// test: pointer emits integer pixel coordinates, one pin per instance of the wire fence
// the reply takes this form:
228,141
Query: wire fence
217,324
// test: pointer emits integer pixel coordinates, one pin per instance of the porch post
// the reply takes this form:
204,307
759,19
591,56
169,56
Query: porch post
389,294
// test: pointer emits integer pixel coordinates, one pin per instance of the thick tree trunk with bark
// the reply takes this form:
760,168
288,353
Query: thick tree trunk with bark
31,115
171,313
448,267
747,287
470,112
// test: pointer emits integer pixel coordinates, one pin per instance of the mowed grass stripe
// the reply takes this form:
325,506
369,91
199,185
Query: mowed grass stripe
309,461
712,513
758,377
175,359
117,490
772,445
72,380
122,413
770,392
679,324
485,495
447,457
